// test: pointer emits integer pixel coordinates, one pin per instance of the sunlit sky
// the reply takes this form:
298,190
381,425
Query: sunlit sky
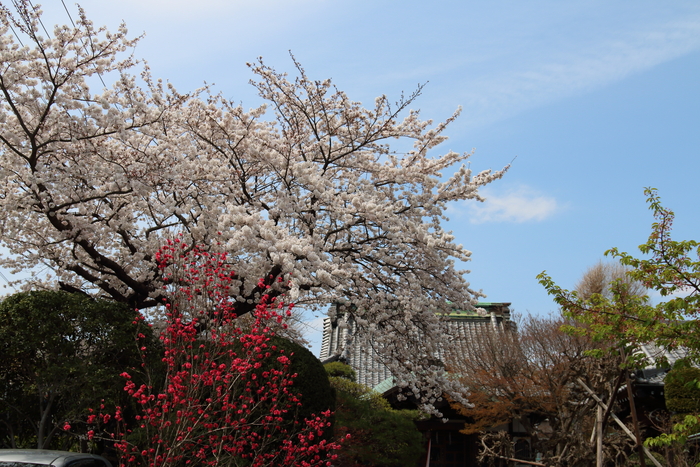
591,101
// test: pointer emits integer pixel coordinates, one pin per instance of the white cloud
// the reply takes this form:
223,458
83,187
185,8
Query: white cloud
510,59
522,204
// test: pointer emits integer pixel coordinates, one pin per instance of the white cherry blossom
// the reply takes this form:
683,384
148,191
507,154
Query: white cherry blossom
306,192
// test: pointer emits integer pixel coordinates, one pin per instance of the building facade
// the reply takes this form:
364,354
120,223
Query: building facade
445,446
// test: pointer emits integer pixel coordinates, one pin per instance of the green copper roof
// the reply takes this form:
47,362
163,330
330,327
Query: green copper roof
384,386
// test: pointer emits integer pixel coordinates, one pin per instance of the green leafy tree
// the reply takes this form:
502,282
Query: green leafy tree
671,268
62,354
379,435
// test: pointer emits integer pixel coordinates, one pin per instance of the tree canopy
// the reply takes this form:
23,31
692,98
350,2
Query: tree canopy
62,354
531,376
322,198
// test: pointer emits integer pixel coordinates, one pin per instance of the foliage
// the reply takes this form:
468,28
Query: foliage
311,383
320,194
61,354
352,389
671,269
679,433
599,278
379,435
229,396
682,395
531,376
340,370
627,319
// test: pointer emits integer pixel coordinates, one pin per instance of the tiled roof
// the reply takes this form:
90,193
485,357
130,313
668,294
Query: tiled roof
463,327
655,353
653,373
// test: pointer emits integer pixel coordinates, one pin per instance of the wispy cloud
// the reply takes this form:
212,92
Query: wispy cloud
518,205
576,67
514,56
507,65
187,10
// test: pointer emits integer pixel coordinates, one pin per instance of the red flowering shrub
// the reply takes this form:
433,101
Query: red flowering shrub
223,400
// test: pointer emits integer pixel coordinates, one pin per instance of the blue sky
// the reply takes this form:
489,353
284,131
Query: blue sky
591,100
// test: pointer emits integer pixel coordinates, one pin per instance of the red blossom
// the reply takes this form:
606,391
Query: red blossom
217,403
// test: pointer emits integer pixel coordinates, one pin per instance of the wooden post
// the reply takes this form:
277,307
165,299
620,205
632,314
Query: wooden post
635,421
618,421
599,436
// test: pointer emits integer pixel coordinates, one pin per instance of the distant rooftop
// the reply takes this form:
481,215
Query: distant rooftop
463,326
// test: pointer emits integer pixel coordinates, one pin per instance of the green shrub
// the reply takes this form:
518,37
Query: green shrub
62,354
340,370
311,382
379,435
681,390
358,391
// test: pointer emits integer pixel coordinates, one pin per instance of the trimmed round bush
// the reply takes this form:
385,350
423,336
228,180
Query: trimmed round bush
681,390
312,380
340,370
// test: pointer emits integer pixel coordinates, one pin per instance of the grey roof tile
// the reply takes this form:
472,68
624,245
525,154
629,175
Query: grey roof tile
463,328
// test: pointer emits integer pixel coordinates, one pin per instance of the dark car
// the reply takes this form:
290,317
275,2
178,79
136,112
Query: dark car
43,458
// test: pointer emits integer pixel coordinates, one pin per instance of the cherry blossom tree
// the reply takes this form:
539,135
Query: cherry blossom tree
327,201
